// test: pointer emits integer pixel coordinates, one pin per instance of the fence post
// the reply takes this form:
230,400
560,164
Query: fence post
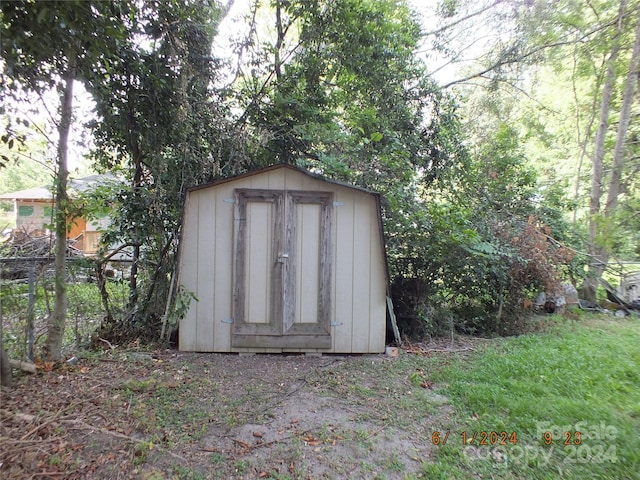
31,311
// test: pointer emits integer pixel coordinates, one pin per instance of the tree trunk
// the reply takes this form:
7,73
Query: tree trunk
6,380
136,183
613,190
279,41
600,256
104,294
52,348
133,275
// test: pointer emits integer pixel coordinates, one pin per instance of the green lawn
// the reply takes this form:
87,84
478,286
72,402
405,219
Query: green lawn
571,395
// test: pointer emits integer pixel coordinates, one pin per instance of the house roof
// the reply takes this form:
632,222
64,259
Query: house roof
315,176
45,192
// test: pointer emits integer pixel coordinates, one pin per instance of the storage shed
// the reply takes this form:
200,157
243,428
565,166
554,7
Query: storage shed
283,260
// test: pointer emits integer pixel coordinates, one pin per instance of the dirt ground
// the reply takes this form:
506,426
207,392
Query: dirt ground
167,414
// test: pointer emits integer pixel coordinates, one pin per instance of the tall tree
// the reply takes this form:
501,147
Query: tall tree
339,89
164,126
569,95
47,46
600,255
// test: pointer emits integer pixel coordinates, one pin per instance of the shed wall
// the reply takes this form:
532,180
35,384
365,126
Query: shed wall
359,272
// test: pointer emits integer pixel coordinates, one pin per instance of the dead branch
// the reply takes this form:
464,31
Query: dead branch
41,426
107,342
124,437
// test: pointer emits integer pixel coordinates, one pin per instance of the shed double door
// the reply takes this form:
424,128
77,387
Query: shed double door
282,269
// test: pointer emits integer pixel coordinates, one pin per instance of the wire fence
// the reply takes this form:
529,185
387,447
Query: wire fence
27,302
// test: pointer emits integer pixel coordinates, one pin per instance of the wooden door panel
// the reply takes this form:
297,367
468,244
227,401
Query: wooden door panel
257,308
308,262
258,263
283,263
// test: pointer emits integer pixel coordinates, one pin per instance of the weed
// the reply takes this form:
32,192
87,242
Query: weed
241,466
185,473
394,463
217,458
366,467
141,452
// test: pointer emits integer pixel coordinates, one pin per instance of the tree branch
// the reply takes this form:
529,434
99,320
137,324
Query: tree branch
462,19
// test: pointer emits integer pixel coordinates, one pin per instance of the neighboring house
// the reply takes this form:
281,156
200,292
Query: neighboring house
630,287
33,208
283,260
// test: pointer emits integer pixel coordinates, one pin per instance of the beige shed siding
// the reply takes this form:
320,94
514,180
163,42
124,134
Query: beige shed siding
307,263
359,284
377,282
206,267
343,271
189,273
222,250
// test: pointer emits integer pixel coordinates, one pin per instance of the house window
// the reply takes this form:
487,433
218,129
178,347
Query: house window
25,211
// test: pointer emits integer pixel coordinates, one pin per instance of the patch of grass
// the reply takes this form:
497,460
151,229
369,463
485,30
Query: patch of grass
141,452
395,464
169,409
217,458
185,473
570,394
241,466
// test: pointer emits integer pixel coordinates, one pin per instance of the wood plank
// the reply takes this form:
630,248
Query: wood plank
291,270
361,273
278,341
325,309
278,263
223,274
314,213
258,277
239,257
187,335
343,284
377,286
206,240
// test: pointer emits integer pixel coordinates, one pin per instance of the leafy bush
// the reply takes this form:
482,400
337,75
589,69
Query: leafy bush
475,255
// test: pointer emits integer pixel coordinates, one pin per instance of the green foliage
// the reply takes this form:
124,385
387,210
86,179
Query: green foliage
350,100
85,312
339,90
40,40
162,143
480,249
21,171
181,305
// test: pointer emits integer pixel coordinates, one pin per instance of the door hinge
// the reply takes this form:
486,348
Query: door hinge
227,320
336,324
338,204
